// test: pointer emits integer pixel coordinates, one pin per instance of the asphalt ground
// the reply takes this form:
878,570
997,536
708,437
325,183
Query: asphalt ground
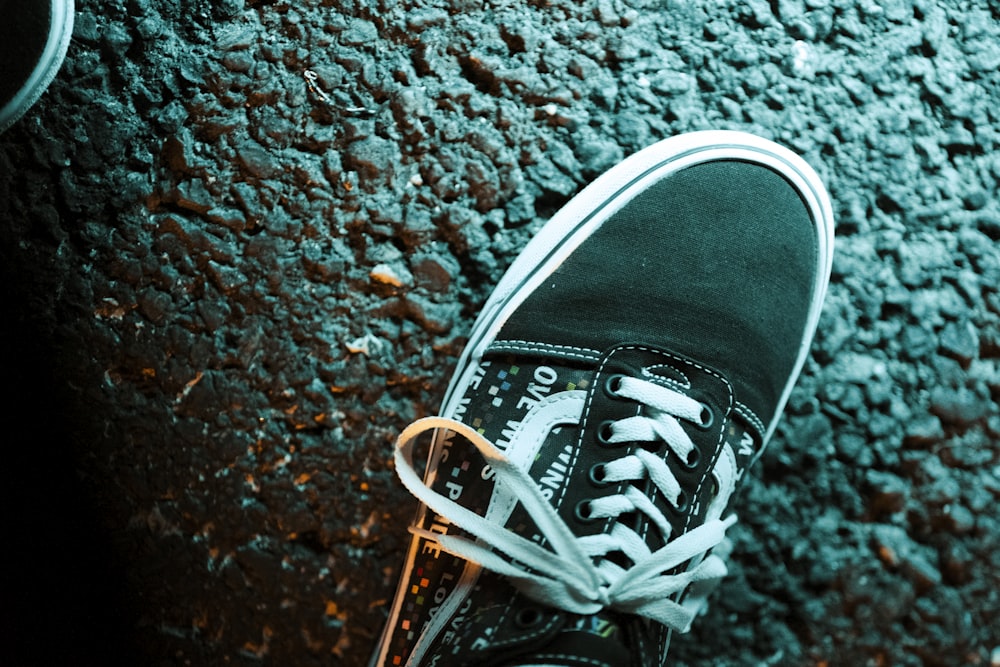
242,243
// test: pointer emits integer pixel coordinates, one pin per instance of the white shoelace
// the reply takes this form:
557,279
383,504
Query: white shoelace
575,575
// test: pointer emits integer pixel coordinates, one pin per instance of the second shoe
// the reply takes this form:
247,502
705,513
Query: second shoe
34,36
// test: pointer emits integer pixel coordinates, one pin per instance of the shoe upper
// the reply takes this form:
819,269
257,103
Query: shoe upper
626,372
731,295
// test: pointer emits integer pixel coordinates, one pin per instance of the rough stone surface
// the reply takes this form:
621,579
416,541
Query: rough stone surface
242,242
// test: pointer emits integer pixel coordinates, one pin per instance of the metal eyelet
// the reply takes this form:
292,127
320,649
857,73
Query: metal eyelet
528,617
682,502
583,511
693,458
613,385
605,432
598,475
706,419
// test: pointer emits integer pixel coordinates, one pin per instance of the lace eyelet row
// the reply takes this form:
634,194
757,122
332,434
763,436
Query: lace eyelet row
604,435
612,387
606,431
583,510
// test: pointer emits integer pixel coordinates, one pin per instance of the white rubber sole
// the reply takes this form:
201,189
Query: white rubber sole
47,67
588,210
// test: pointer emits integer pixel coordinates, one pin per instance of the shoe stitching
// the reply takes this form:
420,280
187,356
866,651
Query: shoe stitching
661,379
748,414
583,353
526,637
571,466
507,609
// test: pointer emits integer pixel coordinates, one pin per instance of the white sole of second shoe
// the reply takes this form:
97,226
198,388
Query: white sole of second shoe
45,71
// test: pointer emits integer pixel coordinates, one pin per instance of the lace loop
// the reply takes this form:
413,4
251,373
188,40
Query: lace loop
573,573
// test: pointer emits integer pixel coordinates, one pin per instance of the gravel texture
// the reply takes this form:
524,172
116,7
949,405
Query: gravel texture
242,243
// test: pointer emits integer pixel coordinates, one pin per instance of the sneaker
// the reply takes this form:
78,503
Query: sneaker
34,36
627,370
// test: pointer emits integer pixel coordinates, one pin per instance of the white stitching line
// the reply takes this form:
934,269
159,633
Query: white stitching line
662,380
507,609
527,637
662,639
751,417
529,346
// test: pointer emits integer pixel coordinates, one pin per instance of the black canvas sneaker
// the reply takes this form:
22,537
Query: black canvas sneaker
629,367
34,36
